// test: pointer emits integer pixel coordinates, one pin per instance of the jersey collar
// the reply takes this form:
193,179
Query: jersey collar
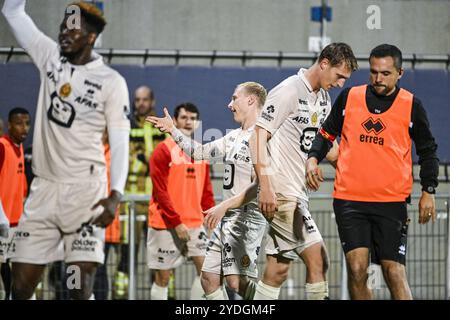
97,62
301,74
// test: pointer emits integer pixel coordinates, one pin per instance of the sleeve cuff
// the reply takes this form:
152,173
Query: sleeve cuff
429,189
176,221
313,154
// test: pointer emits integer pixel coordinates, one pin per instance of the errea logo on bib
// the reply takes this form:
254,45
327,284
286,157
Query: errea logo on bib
372,126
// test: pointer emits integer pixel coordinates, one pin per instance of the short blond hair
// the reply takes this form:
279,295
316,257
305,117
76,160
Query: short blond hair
256,89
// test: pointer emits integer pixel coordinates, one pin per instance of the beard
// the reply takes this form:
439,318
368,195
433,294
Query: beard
381,89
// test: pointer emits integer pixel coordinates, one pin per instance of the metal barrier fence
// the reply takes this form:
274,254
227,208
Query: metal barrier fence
428,265
244,56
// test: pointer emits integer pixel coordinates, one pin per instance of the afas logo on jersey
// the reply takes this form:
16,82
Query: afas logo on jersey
306,120
241,157
302,120
87,102
372,126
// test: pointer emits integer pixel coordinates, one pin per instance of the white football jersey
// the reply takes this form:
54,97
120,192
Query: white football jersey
293,114
238,168
76,103
232,150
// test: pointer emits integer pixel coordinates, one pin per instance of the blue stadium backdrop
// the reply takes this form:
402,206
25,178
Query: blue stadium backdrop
210,89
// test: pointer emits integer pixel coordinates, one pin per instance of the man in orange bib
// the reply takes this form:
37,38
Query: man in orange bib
182,190
376,123
13,184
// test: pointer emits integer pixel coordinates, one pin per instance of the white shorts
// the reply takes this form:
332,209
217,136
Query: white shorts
6,246
60,212
166,251
284,230
235,245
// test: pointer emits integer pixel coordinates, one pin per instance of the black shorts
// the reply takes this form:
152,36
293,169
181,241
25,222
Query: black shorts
380,226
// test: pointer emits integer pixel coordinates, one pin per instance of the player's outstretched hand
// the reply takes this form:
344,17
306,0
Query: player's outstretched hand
163,124
109,205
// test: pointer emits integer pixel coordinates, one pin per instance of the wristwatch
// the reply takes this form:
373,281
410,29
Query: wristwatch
429,189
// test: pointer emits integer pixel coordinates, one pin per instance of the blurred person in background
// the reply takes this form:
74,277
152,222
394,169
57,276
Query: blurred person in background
13,186
181,191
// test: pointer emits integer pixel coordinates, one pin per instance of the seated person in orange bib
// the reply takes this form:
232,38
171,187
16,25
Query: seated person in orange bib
376,123
182,190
